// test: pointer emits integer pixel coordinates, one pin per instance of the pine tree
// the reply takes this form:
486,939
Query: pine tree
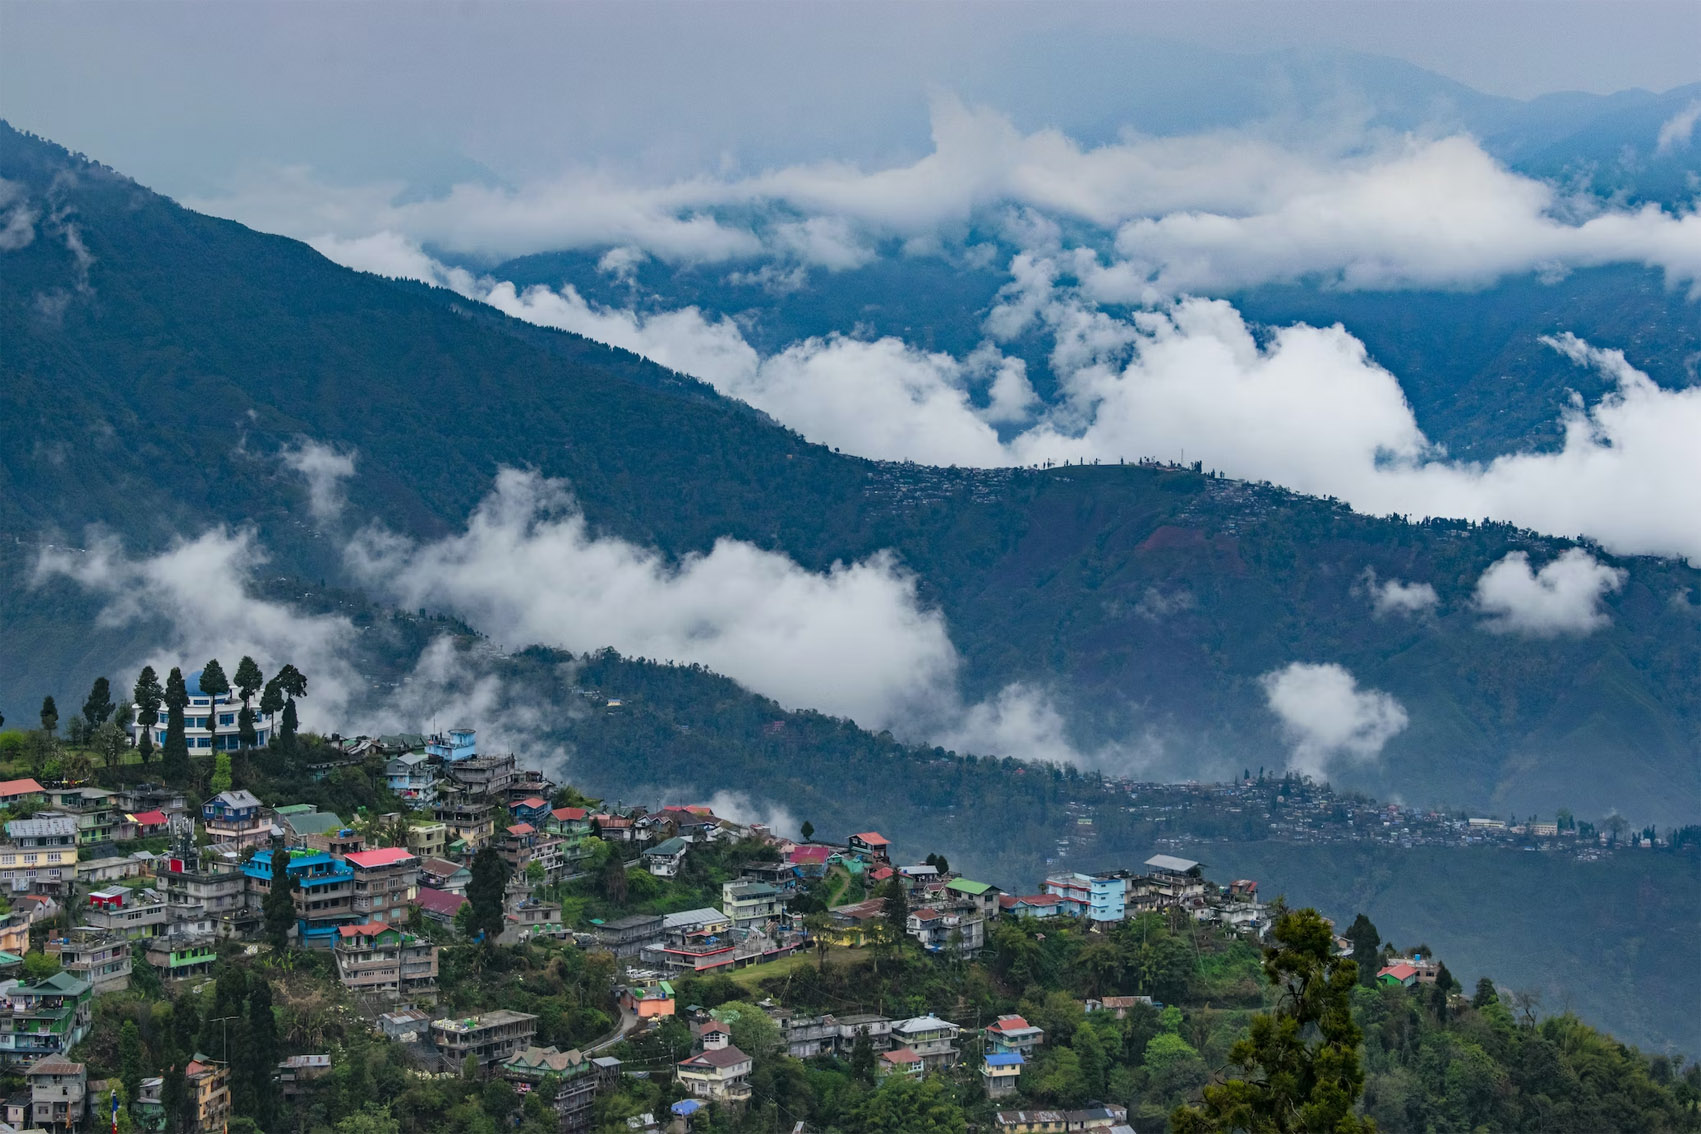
49,716
130,1059
897,909
485,892
99,705
261,1053
175,755
1301,1062
278,906
147,696
1365,941
215,685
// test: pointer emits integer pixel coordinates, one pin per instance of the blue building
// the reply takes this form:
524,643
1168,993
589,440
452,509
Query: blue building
453,746
207,725
324,896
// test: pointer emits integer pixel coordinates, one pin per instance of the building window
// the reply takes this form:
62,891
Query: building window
227,718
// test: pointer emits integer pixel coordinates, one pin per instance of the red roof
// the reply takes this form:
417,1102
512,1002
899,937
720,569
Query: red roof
873,839
151,819
1399,972
721,1057
19,787
1039,899
569,813
924,914
1008,1024
881,875
534,801
366,929
522,829
440,901
383,856
901,1055
804,856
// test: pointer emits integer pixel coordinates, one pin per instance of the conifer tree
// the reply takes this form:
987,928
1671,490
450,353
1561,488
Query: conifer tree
261,1052
278,906
1366,941
49,716
215,685
99,704
147,696
174,758
485,892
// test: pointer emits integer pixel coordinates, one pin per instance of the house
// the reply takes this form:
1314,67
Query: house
379,959
443,874
575,1077
515,845
1171,882
569,821
646,1001
857,924
312,824
627,936
1119,1006
21,791
901,1061
482,777
871,845
48,1017
428,840
1013,1033
235,817
58,1092
491,1037
933,1039
1001,1072
385,883
324,892
664,859
296,1074
467,820
209,1084
181,955
719,1072
533,809
91,807
412,779
982,897
453,746
1402,974
99,957
1103,1118
1029,905
42,855
404,1024
751,904
439,905
959,931
811,861
526,919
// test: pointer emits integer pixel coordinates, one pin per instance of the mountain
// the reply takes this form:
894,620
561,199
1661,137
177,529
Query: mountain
156,361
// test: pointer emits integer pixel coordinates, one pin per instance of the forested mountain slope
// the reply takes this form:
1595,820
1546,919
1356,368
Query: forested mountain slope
155,362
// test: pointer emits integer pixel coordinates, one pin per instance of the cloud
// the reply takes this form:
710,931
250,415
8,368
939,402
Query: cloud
199,590
1326,715
1209,211
324,468
853,641
1678,131
1395,597
741,808
1564,597
17,216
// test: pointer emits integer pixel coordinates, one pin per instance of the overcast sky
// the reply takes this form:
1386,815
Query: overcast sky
186,96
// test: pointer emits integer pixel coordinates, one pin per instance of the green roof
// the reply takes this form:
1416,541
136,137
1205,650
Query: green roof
296,809
964,886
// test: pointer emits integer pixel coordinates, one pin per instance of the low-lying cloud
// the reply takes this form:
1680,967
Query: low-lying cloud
324,468
1326,716
1563,597
1394,596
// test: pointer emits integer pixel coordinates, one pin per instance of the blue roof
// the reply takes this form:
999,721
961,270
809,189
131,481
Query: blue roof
1004,1059
192,682
686,1106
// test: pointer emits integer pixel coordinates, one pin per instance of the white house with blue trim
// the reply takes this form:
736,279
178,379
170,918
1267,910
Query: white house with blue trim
208,725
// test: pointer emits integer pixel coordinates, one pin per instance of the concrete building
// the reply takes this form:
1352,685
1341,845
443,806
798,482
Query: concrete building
41,855
207,723
49,1017
453,746
236,817
933,1039
181,956
385,883
1101,898
324,894
209,1084
412,779
135,914
720,1072
576,1079
491,1037
59,1091
99,957
375,959
751,905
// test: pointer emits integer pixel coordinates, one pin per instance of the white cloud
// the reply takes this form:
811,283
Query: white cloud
200,590
324,467
1326,715
740,807
17,216
853,641
1564,597
1392,596
1678,131
1215,210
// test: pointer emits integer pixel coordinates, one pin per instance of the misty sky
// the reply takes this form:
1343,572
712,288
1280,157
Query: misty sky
187,96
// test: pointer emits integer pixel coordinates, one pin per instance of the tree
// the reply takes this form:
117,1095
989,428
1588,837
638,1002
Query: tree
807,831
175,755
130,1058
49,716
1302,1061
221,773
1366,941
1485,994
897,908
76,766
99,705
862,1056
485,892
903,1105
261,1053
147,696
215,685
179,1105
291,683
109,743
248,681
278,906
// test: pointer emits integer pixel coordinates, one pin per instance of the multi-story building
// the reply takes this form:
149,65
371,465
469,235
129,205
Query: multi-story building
958,931
428,840
1014,1033
1097,897
381,960
453,746
514,843
933,1039
134,914
181,955
1171,882
93,809
99,957
575,1077
21,791
58,1093
324,892
48,1017
1001,1073
236,817
412,779
467,820
491,1037
42,854
214,900
751,904
871,845
208,723
719,1072
385,883
627,936
487,777
209,1083
981,897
